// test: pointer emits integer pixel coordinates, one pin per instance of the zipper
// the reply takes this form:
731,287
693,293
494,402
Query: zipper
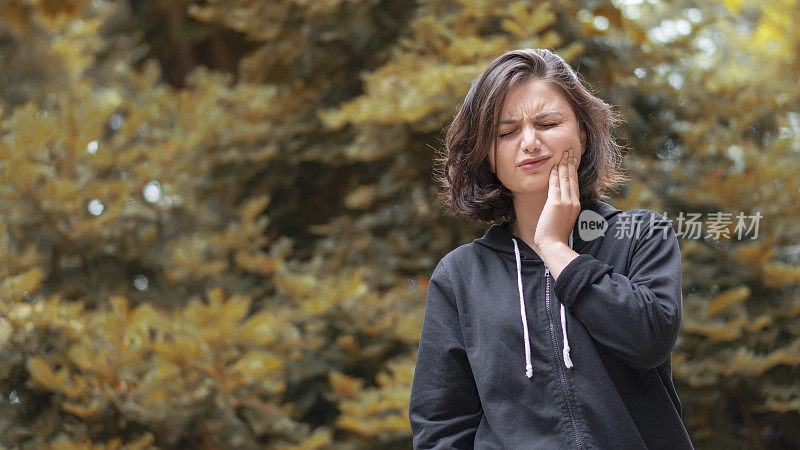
558,360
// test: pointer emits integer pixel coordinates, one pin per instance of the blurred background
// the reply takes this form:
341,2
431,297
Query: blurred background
218,219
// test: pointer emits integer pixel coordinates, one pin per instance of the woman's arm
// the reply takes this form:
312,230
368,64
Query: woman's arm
636,316
445,410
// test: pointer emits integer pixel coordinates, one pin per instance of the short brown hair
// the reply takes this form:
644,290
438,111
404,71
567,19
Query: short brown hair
470,188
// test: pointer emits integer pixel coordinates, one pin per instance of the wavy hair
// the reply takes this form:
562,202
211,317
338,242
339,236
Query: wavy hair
469,187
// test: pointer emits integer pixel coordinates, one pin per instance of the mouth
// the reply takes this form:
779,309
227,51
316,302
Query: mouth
533,163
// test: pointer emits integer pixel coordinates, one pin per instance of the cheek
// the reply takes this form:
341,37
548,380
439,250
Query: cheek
506,167
504,156
564,140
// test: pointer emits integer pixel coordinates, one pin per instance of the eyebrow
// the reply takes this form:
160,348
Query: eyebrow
537,117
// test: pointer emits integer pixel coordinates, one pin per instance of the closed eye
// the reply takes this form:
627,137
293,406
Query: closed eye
544,125
507,134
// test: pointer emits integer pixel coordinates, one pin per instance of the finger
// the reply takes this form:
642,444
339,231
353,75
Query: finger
574,186
553,191
564,181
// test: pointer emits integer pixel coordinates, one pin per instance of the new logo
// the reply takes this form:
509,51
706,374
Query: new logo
591,225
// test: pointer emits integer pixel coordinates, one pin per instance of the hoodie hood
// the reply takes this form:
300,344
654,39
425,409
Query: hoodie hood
500,239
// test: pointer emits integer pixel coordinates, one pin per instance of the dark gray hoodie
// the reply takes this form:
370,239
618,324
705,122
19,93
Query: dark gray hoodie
510,359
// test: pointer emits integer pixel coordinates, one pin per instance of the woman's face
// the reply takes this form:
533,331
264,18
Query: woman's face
538,124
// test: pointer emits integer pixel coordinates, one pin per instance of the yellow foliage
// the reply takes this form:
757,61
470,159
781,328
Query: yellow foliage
380,411
83,411
783,399
115,360
733,5
321,437
718,330
345,386
431,68
5,332
773,35
14,287
260,263
727,299
746,362
778,274
62,442
360,198
262,328
789,356
41,372
252,366
761,322
755,254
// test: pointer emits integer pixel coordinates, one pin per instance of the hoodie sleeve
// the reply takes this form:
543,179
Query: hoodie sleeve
636,316
444,409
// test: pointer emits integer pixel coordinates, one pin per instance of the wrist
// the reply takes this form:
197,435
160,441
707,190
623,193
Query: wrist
556,256
548,246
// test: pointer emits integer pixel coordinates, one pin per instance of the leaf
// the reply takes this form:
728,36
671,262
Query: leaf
42,373
727,299
256,366
83,411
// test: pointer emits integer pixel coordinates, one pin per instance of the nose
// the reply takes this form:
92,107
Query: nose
530,139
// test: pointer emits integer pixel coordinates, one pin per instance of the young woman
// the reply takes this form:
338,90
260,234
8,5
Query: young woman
553,330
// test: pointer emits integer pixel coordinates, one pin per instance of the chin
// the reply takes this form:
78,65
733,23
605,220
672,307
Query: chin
527,191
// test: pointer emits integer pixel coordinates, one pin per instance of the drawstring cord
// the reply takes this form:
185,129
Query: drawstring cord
567,359
528,365
565,353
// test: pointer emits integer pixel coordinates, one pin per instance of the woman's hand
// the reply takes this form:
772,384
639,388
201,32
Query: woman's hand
562,206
